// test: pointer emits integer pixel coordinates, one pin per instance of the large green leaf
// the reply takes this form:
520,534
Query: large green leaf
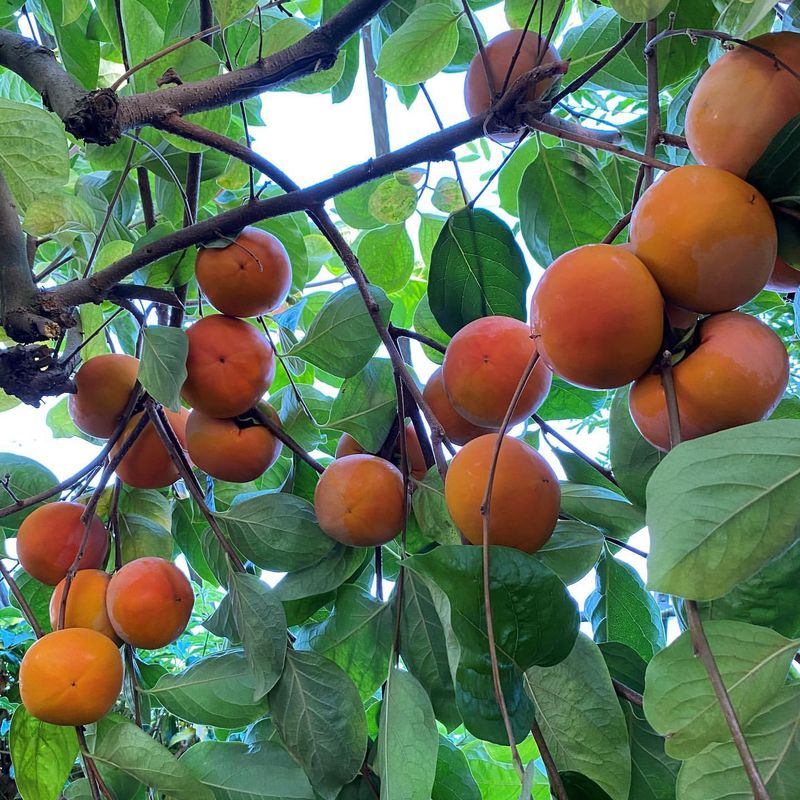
717,774
598,506
572,550
453,779
387,256
276,531
564,202
342,338
42,754
477,269
162,369
430,510
261,624
679,700
318,713
535,623
216,690
639,10
719,507
581,719
357,636
234,771
327,574
653,772
408,742
621,610
27,478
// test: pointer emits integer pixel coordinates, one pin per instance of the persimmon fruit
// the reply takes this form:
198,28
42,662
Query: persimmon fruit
525,495
86,603
348,446
359,500
251,276
50,537
458,429
71,677
229,367
148,464
103,388
707,237
483,365
149,602
499,53
737,374
597,316
742,101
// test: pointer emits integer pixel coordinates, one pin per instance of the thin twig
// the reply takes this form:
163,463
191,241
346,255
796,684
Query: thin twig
653,104
25,607
673,414
620,226
280,433
556,784
629,694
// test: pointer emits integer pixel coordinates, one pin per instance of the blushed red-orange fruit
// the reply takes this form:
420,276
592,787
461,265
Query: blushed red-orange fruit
499,54
736,375
229,367
229,449
104,385
86,603
484,363
707,237
148,464
348,446
149,602
742,101
458,429
250,276
525,495
71,677
597,316
783,277
50,537
359,500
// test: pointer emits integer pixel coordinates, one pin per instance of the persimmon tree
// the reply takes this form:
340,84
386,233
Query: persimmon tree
416,637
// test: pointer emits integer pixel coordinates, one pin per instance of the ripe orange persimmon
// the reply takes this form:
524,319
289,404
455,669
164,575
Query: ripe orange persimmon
71,677
148,464
250,276
484,363
525,494
737,374
458,429
103,387
359,500
231,449
597,316
783,278
49,539
348,446
499,53
742,101
230,365
149,602
86,603
707,237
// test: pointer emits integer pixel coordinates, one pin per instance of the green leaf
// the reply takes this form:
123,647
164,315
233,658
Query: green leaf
510,176
327,574
447,195
228,11
477,269
121,744
565,401
529,629
680,702
621,610
601,507
719,507
215,690
318,713
366,403
639,10
91,317
42,754
581,719
421,47
262,628
453,779
632,457
430,226
140,536
33,151
275,531
7,401
357,636
431,511
653,772
387,256
776,173
342,337
59,214
426,324
772,734
424,649
37,595
572,550
392,202
624,664
564,202
162,369
234,771
353,206
28,478
408,742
